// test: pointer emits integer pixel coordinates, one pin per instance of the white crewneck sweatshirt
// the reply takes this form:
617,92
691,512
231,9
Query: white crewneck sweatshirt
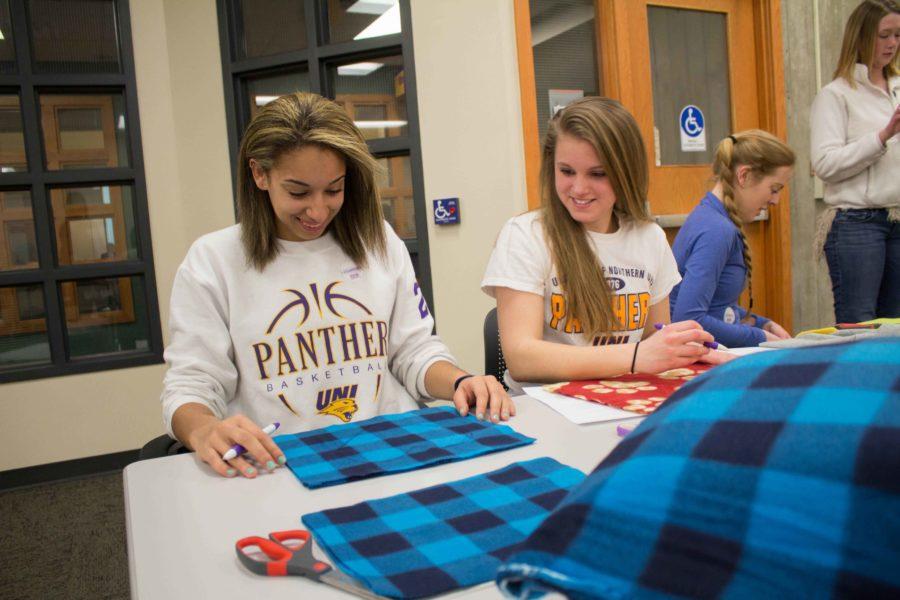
310,341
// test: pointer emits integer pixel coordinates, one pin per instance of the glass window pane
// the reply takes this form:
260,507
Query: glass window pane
373,93
74,36
18,246
23,326
362,19
565,54
84,131
689,67
262,90
272,27
395,186
7,48
106,316
12,136
94,224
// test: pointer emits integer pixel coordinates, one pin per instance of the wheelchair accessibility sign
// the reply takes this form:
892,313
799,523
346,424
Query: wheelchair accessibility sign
446,211
693,129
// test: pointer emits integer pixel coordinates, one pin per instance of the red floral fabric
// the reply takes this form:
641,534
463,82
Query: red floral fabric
639,393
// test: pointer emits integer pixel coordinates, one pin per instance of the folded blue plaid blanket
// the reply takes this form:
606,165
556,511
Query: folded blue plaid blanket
442,537
392,444
773,476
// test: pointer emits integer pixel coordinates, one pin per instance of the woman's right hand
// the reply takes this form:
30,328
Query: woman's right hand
212,439
892,128
676,345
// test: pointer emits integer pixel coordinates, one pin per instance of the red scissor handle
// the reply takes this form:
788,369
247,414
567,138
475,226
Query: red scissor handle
278,556
284,557
285,537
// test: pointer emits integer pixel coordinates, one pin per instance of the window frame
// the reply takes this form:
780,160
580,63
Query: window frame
316,58
29,86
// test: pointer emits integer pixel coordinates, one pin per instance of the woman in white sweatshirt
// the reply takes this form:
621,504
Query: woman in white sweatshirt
856,152
307,312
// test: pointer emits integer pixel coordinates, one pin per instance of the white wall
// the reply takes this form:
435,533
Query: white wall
471,128
185,149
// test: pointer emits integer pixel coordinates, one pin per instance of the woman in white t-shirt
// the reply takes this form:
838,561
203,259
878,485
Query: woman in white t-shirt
557,319
307,312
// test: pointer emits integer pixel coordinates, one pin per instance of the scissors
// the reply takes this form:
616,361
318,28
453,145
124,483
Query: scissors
290,553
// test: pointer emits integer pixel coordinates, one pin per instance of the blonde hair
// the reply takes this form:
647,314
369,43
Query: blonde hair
289,123
763,153
614,135
859,39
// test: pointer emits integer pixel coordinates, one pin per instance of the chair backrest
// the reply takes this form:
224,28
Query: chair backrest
493,353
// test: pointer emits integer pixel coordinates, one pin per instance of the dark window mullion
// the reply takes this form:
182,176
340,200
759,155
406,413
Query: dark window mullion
227,39
71,177
264,63
420,203
97,270
354,46
389,145
40,204
80,80
315,12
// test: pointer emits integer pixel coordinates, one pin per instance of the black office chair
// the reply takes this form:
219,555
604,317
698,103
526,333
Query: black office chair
161,446
493,353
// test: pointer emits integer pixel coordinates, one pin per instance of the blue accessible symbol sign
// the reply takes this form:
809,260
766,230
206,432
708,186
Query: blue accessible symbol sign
693,129
446,211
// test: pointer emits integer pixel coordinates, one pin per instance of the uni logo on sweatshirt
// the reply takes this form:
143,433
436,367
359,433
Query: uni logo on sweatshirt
338,402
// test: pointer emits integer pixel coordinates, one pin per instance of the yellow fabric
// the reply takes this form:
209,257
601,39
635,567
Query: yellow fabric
827,330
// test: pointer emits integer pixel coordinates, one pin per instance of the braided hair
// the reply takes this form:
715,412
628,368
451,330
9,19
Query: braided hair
763,153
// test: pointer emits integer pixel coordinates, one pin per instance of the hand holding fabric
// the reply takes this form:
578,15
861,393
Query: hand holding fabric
486,395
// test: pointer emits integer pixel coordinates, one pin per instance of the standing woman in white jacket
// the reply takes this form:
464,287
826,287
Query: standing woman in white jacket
856,152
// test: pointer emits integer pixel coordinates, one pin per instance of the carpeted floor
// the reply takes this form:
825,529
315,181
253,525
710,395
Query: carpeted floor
64,540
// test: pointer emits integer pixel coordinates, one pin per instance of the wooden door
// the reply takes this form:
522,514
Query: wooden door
722,56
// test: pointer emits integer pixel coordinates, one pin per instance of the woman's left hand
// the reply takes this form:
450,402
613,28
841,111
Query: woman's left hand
776,330
486,395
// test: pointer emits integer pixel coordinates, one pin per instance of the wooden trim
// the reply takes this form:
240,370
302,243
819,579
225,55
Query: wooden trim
528,100
773,118
605,28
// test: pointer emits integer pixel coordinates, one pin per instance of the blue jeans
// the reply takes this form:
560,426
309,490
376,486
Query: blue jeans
863,253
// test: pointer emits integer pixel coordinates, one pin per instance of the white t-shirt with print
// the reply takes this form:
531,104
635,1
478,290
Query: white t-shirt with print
637,262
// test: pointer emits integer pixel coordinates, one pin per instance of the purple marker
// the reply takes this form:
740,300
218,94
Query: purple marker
237,449
710,345
623,431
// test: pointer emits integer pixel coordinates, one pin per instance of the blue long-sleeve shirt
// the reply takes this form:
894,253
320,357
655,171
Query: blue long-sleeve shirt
710,259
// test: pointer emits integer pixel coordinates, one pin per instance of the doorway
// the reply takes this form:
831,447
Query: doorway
692,72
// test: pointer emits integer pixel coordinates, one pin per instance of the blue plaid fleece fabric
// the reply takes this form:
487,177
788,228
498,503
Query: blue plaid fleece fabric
773,476
392,444
443,537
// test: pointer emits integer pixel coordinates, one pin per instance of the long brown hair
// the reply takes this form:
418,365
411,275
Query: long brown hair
289,123
859,39
613,133
763,153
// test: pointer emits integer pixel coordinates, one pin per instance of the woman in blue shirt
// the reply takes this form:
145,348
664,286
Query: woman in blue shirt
750,170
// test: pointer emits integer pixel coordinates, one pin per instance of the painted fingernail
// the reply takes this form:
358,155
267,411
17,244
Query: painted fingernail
270,465
495,417
479,416
250,471
231,472
505,415
282,459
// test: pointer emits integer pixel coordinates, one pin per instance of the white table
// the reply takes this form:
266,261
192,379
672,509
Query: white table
183,519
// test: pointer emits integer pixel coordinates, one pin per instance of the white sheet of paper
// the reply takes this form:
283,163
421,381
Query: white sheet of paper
577,410
748,350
